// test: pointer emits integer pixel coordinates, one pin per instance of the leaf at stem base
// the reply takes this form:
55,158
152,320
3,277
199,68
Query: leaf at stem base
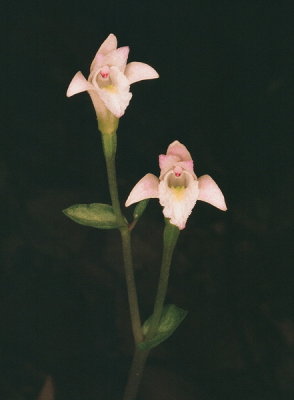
171,318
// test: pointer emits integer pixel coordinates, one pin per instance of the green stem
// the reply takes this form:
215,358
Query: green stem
131,285
109,142
171,233
170,237
135,374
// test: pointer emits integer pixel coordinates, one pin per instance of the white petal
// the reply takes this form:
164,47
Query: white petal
146,188
78,84
178,203
98,104
211,193
137,71
116,96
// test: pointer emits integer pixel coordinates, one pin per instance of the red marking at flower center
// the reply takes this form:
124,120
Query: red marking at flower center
104,74
178,171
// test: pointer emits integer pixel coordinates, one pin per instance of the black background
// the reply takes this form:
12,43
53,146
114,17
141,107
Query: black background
226,92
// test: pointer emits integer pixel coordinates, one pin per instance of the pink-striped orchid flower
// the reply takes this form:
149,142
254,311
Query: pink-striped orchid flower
110,78
177,187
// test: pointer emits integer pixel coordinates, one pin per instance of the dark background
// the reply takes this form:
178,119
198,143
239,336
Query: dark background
226,92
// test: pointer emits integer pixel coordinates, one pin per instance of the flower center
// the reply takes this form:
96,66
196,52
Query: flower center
104,72
103,79
178,171
177,178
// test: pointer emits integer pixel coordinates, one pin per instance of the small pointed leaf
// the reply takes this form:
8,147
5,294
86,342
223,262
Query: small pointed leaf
96,215
171,318
140,208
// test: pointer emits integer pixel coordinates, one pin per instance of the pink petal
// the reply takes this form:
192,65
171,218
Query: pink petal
137,71
78,84
146,188
109,44
211,193
167,162
97,62
117,58
187,165
178,149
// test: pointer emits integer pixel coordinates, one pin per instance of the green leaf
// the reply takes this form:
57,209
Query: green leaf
140,208
96,215
171,318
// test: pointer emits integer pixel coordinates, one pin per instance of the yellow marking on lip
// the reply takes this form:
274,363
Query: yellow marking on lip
110,88
178,192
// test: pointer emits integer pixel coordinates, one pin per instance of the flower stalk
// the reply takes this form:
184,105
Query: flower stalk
131,285
135,374
170,237
109,142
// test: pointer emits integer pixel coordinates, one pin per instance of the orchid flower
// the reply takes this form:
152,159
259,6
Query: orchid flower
177,187
110,78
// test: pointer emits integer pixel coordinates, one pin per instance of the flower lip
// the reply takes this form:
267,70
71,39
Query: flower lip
178,196
177,188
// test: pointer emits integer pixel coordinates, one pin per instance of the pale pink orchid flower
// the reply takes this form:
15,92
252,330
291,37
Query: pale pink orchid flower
177,187
110,78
